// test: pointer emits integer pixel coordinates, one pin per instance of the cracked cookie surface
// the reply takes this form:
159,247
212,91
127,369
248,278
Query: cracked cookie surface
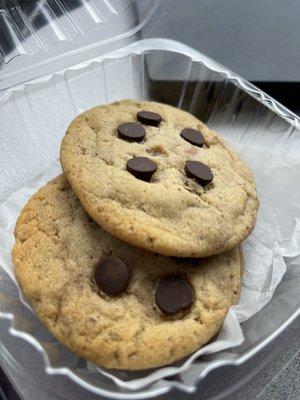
172,214
56,250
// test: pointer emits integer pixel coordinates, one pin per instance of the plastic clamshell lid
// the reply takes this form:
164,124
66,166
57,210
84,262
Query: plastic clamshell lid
40,37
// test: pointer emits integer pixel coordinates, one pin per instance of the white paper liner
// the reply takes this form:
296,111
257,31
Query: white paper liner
276,235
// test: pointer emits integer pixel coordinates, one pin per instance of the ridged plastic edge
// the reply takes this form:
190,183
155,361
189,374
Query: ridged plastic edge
139,48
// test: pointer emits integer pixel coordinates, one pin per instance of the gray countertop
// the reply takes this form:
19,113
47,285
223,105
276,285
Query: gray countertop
257,39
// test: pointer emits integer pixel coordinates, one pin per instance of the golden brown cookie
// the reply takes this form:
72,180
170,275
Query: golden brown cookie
151,184
114,304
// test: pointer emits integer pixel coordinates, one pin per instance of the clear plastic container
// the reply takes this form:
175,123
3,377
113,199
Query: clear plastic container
43,36
42,89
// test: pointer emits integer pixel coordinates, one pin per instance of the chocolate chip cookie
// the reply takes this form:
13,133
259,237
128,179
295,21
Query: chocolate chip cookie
158,178
114,304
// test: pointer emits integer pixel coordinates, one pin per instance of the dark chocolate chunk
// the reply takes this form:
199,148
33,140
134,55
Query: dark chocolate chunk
193,136
141,167
199,171
149,118
174,294
132,131
112,275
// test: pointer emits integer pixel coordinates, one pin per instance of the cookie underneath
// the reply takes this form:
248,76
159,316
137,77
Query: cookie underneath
55,255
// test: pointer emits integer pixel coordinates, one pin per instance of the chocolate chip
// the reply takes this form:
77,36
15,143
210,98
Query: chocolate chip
149,118
174,294
111,275
132,131
141,167
193,136
199,171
